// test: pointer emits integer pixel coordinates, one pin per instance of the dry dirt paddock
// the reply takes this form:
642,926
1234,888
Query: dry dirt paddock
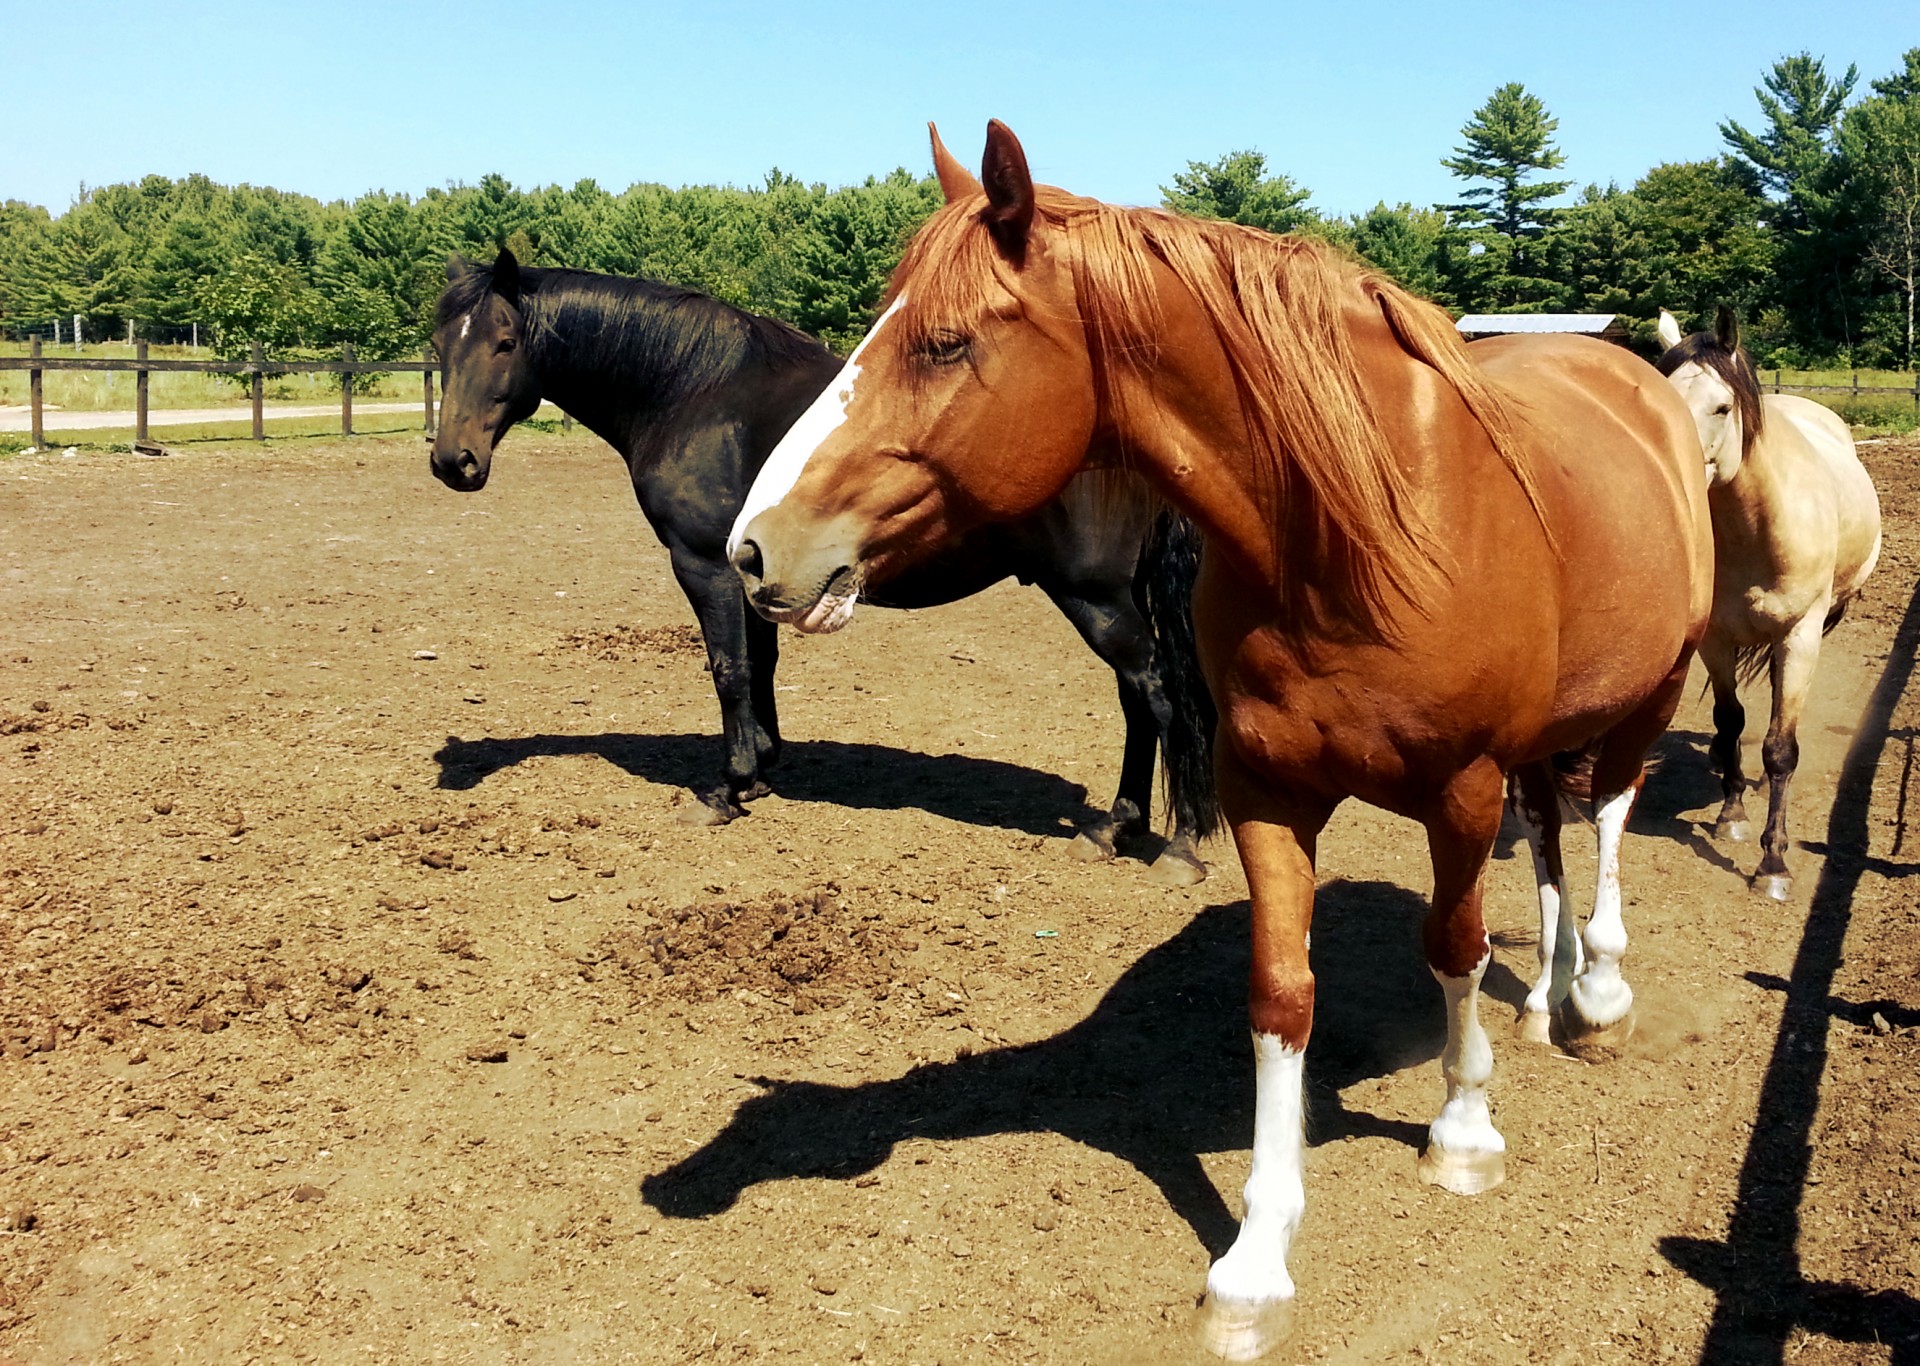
361,1006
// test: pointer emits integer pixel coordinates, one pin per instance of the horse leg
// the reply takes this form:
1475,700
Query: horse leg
1115,630
1465,1153
1599,1001
1793,662
713,590
1249,1292
1536,804
1729,720
763,656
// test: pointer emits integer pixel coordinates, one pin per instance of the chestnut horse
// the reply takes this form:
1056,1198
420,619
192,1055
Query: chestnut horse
1796,532
1427,567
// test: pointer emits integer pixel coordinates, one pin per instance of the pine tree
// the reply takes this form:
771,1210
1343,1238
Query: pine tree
1509,137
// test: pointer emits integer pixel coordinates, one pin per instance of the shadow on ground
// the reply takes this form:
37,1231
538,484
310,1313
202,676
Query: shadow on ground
1159,1073
986,792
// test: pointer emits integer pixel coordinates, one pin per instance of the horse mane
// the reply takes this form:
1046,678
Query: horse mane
596,324
1277,306
1734,369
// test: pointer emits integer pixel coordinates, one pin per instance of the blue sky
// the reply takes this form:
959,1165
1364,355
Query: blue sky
1356,100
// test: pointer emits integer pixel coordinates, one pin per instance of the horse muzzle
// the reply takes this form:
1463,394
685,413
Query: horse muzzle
821,604
463,470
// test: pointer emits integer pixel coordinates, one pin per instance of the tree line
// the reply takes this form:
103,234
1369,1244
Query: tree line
1808,224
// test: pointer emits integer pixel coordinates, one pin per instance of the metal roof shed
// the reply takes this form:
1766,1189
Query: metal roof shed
1606,326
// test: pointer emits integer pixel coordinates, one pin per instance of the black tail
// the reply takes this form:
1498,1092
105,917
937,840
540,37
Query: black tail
1164,583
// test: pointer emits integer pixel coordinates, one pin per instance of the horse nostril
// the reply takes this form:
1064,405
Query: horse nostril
469,465
747,560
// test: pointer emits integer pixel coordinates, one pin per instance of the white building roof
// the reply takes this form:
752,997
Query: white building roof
1590,324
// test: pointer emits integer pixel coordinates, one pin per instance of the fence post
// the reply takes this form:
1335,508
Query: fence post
139,392
257,387
426,387
346,391
34,385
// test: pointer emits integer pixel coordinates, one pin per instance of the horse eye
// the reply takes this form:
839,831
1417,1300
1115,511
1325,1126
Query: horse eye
945,348
507,344
1723,410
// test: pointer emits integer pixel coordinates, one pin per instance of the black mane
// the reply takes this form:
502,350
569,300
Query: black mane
1706,350
612,325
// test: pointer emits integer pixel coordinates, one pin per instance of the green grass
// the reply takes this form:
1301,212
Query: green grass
94,391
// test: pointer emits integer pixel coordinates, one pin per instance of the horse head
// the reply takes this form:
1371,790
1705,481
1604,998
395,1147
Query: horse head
480,335
979,351
1717,380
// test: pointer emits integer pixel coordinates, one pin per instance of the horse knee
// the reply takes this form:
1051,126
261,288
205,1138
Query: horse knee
1280,1002
1781,754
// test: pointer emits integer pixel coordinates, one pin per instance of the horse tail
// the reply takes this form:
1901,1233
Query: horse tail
1572,773
1169,563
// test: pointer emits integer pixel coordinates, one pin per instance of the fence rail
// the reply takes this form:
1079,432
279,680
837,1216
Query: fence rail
1855,389
256,367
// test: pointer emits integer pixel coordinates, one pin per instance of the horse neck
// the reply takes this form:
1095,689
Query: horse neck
1183,422
624,393
1745,506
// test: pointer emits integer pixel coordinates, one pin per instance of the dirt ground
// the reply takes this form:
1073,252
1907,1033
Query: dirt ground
362,999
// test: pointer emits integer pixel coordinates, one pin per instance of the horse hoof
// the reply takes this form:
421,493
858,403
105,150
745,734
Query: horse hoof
1177,870
1774,886
700,814
753,793
1534,1026
1734,832
1086,848
1243,1330
1463,1173
1595,1043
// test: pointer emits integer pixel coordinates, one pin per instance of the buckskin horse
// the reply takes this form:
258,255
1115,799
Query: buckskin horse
1796,533
694,393
1427,567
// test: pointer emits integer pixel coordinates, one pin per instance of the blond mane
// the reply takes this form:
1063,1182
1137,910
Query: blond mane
1276,305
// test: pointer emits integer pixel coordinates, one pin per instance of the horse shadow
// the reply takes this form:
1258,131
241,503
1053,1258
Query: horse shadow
1159,1073
960,787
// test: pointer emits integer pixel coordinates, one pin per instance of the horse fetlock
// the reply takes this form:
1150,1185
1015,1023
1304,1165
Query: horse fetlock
1599,999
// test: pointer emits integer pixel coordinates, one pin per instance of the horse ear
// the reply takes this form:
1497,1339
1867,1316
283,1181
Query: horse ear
956,181
457,266
1668,330
1009,186
1726,328
506,276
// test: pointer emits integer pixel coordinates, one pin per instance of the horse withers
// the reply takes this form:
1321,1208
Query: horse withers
1427,567
1796,533
694,393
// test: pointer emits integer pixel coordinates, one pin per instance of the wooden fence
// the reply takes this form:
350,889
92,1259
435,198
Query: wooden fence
1855,389
256,367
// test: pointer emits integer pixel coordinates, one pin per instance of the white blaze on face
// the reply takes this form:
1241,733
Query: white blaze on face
466,326
782,470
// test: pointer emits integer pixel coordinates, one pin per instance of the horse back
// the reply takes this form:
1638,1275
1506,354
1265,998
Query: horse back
1813,446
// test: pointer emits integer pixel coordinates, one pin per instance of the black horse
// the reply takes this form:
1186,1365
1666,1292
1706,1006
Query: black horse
695,393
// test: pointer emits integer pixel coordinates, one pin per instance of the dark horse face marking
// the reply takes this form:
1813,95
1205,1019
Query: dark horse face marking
490,384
